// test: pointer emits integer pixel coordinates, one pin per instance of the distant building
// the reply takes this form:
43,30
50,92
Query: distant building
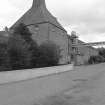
81,54
85,53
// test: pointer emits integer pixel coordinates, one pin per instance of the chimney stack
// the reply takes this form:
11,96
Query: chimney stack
38,3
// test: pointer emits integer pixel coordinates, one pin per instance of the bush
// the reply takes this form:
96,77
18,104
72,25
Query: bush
96,59
19,56
102,52
22,52
22,30
4,58
47,55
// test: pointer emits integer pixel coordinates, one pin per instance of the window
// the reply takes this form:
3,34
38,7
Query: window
36,27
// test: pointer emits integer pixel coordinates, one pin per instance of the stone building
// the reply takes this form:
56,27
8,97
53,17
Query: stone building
45,27
85,53
81,54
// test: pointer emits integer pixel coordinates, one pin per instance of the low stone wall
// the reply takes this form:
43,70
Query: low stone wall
20,75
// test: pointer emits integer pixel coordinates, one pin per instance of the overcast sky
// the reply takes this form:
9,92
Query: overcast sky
86,17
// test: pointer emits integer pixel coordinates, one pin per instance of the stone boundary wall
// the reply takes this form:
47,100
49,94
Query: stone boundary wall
20,75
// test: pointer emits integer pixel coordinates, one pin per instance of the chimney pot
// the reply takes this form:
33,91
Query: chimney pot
38,3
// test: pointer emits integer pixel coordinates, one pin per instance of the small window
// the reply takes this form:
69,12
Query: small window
36,27
53,29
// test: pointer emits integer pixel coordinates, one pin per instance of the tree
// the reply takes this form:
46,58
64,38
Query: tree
102,52
22,30
18,53
96,59
4,58
25,34
48,55
34,52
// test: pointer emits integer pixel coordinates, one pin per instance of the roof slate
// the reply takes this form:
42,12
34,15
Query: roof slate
36,14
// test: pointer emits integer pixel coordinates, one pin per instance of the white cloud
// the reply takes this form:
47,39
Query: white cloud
87,17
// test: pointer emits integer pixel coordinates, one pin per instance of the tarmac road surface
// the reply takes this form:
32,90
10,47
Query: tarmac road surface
88,88
83,86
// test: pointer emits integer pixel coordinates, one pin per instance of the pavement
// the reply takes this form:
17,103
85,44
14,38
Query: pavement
85,85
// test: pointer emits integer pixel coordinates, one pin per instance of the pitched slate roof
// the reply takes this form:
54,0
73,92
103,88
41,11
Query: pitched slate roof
38,13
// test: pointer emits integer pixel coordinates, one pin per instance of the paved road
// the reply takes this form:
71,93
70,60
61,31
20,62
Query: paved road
88,88
83,86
